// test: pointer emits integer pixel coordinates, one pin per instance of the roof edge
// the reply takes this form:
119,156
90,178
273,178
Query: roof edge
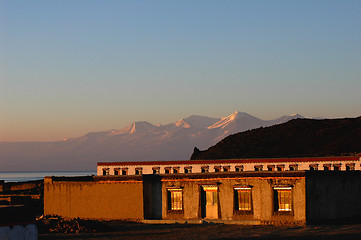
243,160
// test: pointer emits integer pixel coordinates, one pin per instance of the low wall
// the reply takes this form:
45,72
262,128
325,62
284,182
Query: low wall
21,186
28,187
94,197
21,231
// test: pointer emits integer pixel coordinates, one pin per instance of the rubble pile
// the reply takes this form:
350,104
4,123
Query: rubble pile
77,225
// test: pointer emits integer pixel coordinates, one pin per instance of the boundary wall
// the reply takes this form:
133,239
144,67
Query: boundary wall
94,198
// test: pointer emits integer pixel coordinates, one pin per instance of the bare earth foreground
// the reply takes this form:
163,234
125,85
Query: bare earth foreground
216,231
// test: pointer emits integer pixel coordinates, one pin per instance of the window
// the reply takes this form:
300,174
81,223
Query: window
313,167
105,171
124,171
226,168
350,167
156,170
217,168
175,199
327,167
258,168
116,171
175,169
337,167
239,168
271,167
138,171
283,199
294,167
187,169
167,170
204,169
243,199
280,167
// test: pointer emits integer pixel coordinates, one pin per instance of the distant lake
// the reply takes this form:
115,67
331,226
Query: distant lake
30,176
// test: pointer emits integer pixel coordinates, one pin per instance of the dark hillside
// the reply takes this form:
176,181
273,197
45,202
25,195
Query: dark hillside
296,138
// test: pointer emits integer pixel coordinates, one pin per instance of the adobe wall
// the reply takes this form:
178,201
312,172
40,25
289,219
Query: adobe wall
262,196
21,186
333,197
29,187
94,199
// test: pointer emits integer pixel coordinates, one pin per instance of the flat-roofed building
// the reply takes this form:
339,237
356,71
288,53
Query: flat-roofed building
342,163
245,197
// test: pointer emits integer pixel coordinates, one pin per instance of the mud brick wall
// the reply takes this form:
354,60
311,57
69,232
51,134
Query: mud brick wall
96,199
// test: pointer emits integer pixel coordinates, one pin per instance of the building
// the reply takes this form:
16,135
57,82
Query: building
243,197
17,222
346,163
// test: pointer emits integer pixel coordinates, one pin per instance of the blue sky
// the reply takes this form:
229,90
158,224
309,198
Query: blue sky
73,66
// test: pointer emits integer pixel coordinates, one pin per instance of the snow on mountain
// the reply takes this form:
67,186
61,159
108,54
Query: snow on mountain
139,141
238,120
182,123
136,127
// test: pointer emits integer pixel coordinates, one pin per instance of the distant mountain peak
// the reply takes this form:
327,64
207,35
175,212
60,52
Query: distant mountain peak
182,123
234,115
135,127
238,114
232,119
296,115
141,126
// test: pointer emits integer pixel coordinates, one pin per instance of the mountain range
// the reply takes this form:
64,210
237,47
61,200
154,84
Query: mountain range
140,141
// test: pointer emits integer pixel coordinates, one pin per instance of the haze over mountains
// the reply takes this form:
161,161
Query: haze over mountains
140,141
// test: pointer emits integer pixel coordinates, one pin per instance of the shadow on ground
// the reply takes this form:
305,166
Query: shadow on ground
136,231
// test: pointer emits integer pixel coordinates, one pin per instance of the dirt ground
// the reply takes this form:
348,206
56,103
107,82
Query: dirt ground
216,231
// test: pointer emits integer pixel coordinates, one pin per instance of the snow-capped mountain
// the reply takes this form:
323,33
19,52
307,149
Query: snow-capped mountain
241,121
140,141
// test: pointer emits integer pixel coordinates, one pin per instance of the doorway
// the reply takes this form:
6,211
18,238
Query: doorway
209,202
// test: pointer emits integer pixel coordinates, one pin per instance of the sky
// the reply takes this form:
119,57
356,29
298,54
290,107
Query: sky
75,66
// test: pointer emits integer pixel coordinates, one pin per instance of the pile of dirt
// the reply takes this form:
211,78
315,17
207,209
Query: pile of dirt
53,224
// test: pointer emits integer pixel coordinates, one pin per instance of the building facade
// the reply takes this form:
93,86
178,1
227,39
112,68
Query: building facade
346,163
246,197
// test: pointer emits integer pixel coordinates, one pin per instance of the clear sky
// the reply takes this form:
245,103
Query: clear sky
73,66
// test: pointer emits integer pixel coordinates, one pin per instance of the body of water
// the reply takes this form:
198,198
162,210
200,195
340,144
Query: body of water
30,176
